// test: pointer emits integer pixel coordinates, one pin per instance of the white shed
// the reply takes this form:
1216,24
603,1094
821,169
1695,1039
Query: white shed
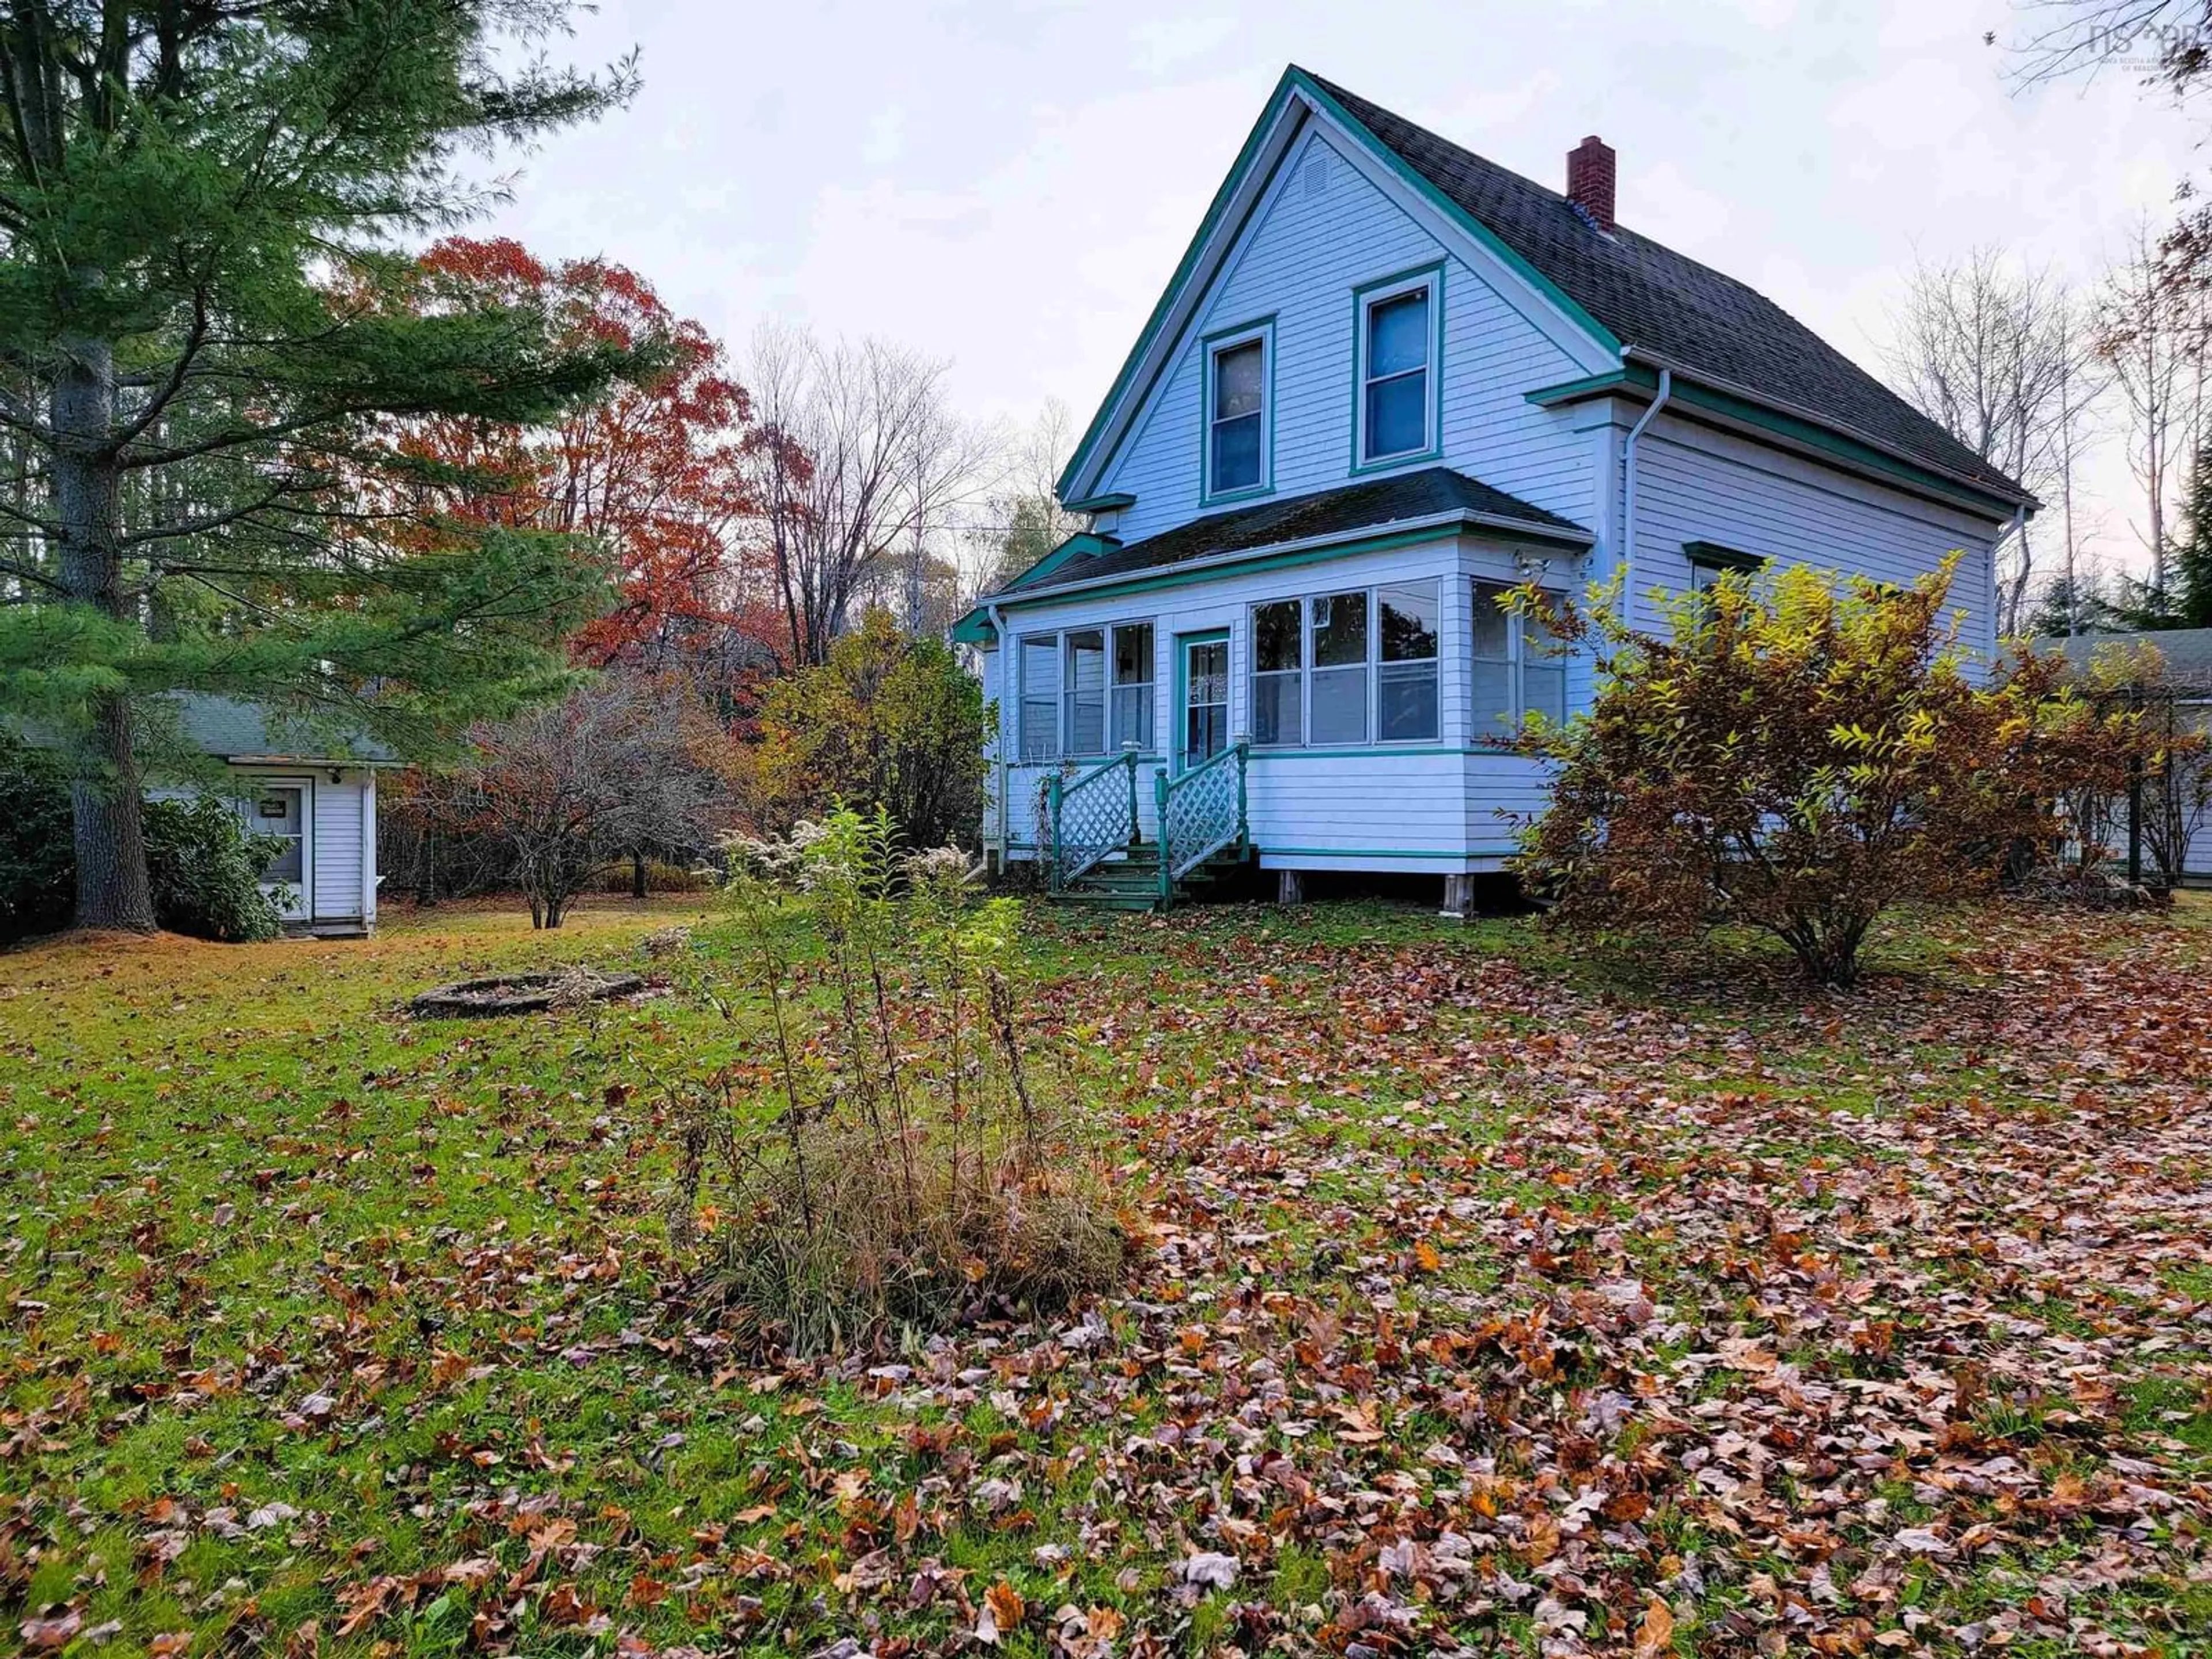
317,791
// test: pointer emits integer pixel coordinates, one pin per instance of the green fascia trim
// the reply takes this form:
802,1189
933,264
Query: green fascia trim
1458,214
1264,329
1109,504
1369,751
1082,543
1852,452
1361,853
1434,270
1724,558
974,628
1595,386
1254,142
1143,758
1183,577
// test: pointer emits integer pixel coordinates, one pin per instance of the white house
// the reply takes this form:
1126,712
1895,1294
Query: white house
1389,380
2180,689
316,791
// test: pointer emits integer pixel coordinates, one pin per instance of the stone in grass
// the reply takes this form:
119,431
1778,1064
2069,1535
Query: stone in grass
523,993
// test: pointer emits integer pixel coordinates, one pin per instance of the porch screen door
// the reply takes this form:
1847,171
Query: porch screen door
1205,700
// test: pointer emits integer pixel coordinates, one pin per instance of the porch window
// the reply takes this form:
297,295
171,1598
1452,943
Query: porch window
1132,685
1236,415
1405,678
1339,669
1517,669
1278,676
1086,692
1350,667
1040,688
1085,671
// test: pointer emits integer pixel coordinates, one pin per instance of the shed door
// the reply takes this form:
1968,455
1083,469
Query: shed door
280,809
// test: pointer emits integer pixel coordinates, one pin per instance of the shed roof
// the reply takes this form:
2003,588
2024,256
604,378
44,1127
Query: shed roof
237,729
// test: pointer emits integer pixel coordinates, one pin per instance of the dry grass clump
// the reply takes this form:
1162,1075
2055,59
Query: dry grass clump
887,1163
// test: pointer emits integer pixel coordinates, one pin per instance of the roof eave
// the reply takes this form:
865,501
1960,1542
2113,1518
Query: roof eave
1460,518
1638,380
349,761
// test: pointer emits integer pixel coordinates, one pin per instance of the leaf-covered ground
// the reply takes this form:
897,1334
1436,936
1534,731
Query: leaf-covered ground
1495,1298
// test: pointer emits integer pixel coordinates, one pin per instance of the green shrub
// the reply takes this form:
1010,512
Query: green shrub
205,867
889,721
38,870
1797,755
886,1161
204,864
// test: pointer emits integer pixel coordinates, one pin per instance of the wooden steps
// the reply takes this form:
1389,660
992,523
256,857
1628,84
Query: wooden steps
1131,880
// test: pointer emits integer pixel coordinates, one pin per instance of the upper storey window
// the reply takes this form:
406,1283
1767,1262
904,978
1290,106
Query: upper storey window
1236,426
1398,348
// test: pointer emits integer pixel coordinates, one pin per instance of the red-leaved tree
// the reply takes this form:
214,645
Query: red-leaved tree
653,471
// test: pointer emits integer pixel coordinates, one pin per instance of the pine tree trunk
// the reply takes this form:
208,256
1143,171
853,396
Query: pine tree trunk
111,887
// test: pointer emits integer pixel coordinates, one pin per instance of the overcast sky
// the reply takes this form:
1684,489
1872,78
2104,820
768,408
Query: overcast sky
1008,185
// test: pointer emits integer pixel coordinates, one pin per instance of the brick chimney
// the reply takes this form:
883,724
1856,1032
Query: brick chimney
1590,179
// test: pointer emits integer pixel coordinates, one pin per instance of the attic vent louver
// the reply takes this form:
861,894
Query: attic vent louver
1318,175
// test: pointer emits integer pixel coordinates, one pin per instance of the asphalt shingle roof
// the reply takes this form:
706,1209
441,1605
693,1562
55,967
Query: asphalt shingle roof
1669,305
2185,653
1372,505
231,726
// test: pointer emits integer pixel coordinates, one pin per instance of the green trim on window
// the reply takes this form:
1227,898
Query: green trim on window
1367,751
1847,453
1261,329
1718,557
1175,760
1434,271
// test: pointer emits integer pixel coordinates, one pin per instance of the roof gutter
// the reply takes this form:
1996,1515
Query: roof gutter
1461,517
1006,665
1628,497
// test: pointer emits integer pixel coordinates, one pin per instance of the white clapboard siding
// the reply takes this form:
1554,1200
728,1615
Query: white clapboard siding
337,829
1696,484
1299,261
1423,805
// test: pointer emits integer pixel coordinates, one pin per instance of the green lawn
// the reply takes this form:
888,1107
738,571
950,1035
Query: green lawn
1494,1294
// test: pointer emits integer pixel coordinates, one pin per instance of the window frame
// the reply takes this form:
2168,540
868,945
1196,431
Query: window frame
1515,662
1062,692
1717,560
1370,664
1262,330
1364,299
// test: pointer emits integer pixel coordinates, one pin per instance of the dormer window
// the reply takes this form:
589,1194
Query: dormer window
1399,344
1237,417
